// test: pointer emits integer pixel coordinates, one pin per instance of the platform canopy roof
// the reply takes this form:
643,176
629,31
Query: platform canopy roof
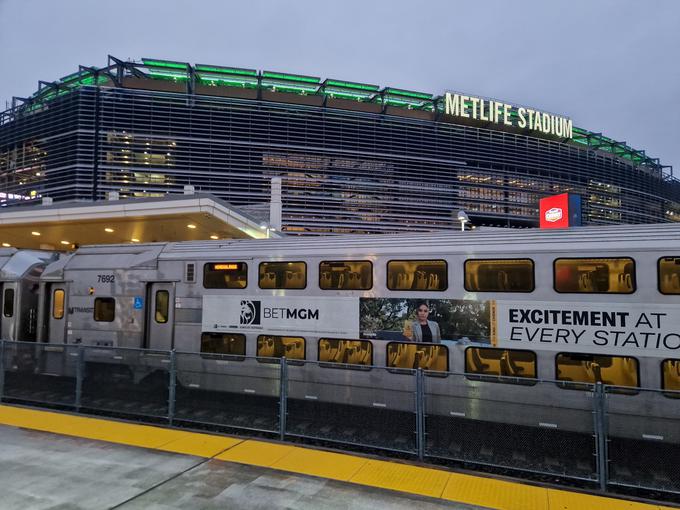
64,226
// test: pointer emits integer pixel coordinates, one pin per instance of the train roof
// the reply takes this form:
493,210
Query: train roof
638,237
14,264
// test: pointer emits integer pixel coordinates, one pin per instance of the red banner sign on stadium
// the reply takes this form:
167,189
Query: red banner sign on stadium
560,211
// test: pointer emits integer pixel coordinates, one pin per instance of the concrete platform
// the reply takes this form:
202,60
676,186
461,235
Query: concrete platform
61,461
41,470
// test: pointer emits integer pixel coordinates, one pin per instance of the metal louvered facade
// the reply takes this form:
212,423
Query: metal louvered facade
341,170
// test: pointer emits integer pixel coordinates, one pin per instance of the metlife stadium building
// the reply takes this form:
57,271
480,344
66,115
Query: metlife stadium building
352,157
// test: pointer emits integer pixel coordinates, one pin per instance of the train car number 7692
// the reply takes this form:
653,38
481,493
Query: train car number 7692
106,278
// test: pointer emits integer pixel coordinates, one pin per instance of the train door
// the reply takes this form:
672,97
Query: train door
55,313
2,319
160,318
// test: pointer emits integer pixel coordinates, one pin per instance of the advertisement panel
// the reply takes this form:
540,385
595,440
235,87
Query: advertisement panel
282,315
560,211
555,211
625,329
599,328
409,319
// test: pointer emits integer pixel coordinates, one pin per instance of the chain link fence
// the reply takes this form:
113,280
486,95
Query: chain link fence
498,421
227,391
39,373
360,406
643,438
626,437
127,382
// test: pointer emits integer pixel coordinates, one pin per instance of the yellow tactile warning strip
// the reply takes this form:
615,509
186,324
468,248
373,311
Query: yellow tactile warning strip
145,436
403,477
422,481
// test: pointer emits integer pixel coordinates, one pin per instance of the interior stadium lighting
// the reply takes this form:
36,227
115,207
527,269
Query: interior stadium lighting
6,245
34,233
191,225
134,240
108,229
214,237
65,242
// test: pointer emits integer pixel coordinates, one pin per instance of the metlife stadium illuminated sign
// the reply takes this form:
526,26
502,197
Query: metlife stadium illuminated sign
497,112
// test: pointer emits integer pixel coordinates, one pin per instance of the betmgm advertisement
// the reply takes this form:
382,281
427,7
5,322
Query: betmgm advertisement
615,328
431,320
395,319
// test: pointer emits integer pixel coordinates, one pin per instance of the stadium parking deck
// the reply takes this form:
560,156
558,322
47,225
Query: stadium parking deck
58,460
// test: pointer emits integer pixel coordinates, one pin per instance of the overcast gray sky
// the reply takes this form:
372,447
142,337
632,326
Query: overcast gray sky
611,65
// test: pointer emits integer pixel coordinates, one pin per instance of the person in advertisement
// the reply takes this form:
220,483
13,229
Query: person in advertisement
424,330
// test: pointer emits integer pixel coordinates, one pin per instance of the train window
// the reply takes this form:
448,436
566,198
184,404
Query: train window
593,368
499,275
292,347
283,275
104,309
190,272
500,362
352,352
162,306
8,303
670,371
223,343
418,355
58,304
669,275
417,275
346,275
592,276
225,275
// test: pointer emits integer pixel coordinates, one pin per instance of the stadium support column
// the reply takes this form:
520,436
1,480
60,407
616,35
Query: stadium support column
276,204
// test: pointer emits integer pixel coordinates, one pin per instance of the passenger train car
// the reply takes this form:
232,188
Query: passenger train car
581,305
512,328
20,272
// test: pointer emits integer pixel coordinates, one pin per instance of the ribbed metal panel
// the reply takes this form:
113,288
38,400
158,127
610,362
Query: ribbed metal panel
342,171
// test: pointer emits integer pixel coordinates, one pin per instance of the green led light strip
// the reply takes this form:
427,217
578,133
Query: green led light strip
226,70
408,93
348,92
351,85
291,77
165,63
291,88
228,82
230,77
73,77
346,95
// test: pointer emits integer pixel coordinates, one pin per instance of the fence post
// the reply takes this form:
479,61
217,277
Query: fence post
172,386
80,361
2,369
283,397
420,414
601,434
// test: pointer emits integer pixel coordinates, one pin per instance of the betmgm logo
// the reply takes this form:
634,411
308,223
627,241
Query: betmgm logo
250,312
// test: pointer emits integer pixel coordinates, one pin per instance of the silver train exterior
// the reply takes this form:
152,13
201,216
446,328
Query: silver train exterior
132,275
20,272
